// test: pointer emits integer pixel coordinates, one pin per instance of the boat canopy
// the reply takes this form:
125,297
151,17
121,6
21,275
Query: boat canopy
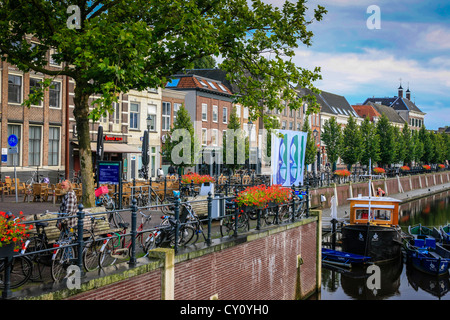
381,211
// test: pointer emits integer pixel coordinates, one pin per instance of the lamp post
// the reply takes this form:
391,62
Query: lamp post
315,133
250,126
149,124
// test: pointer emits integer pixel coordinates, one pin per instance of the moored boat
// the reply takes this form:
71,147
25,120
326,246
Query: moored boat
344,259
373,229
445,233
428,256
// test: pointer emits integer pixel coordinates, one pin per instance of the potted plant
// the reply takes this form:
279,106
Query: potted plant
13,232
378,170
261,196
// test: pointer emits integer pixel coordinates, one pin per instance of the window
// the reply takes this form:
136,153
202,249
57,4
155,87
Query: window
151,112
298,126
291,125
134,116
204,112
212,85
222,87
116,114
52,59
166,111
283,126
238,111
246,113
204,137
172,83
55,95
53,146
34,146
215,114
35,84
225,115
14,89
176,107
214,137
203,83
14,159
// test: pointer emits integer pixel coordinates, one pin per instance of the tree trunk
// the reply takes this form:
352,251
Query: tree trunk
81,113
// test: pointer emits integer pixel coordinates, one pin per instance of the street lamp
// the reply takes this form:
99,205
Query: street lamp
250,126
149,125
315,133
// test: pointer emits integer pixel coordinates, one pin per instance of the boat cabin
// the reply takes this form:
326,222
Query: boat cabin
382,211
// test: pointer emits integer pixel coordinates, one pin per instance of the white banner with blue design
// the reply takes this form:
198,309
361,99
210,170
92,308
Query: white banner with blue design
288,157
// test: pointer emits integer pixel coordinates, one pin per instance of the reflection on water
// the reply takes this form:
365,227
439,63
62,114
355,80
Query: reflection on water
399,280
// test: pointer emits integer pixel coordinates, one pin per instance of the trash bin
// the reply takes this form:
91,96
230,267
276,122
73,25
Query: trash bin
218,206
205,188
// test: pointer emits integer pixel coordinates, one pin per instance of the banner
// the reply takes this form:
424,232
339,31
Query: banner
288,157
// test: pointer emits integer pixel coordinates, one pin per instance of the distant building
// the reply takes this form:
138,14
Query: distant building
406,108
374,112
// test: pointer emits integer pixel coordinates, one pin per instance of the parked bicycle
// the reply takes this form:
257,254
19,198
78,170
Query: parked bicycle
64,254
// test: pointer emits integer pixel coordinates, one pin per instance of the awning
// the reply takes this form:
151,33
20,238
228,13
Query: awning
116,148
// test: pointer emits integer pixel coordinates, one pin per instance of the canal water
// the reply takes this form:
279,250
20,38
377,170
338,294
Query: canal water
399,281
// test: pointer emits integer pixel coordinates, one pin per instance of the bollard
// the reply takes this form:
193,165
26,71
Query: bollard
236,215
177,221
307,201
132,262
293,203
80,240
208,240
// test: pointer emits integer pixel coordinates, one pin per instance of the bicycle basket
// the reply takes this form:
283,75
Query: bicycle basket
101,191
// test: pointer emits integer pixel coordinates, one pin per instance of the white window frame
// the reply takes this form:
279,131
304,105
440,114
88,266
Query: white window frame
59,98
21,88
40,146
204,112
134,112
224,114
214,137
204,136
59,147
41,104
166,117
215,113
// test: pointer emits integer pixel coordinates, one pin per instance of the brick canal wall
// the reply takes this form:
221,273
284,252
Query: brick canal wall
391,186
280,263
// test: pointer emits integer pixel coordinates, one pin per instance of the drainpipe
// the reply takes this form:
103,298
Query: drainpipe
66,160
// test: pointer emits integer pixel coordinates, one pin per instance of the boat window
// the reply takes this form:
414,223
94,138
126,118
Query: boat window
382,214
362,214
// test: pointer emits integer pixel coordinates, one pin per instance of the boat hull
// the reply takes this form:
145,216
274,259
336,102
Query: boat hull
423,260
378,242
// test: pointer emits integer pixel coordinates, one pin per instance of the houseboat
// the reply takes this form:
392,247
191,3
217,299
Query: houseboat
373,228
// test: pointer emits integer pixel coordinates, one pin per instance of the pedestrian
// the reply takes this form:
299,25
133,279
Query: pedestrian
172,170
68,205
160,173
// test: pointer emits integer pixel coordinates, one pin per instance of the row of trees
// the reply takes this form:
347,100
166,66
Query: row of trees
382,142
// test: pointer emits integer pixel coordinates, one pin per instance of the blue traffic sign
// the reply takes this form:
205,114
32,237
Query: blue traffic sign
13,140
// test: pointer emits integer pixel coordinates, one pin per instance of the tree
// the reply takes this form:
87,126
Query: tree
236,137
311,148
370,143
351,143
109,47
399,153
387,144
428,147
180,148
331,136
408,145
206,62
418,147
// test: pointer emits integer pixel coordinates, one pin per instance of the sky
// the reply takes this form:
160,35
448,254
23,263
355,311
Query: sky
412,43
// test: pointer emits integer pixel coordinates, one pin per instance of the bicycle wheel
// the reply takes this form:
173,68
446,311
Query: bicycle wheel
186,234
285,213
115,219
63,258
21,269
91,253
107,256
227,224
39,259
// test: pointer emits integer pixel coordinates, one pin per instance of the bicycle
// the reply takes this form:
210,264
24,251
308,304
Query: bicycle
188,214
21,269
228,223
91,251
36,178
64,254
39,245
118,246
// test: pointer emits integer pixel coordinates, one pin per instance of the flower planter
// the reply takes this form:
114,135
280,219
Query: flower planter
7,250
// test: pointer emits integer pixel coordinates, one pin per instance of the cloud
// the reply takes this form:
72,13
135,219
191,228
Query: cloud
435,38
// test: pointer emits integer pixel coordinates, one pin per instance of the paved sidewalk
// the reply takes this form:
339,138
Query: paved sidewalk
344,210
9,204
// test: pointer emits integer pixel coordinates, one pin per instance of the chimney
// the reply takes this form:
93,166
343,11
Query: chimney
408,93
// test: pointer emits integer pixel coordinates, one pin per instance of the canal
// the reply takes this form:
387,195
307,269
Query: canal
399,281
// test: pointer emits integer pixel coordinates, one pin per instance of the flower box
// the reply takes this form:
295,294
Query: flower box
441,166
13,231
379,170
7,250
426,167
196,178
405,168
342,173
260,196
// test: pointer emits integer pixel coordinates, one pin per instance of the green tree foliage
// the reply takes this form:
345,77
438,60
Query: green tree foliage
311,148
118,45
418,146
370,143
387,143
332,136
399,145
180,148
237,140
408,145
207,62
351,143
428,147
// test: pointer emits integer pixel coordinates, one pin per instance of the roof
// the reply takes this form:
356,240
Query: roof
192,81
397,103
331,103
389,112
365,111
